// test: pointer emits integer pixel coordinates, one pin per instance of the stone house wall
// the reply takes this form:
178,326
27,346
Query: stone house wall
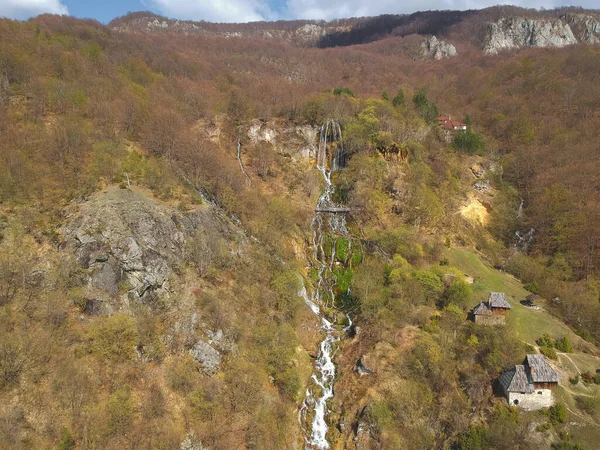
490,320
540,398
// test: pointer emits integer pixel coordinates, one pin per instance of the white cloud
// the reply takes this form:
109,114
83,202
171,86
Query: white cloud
252,10
23,9
216,10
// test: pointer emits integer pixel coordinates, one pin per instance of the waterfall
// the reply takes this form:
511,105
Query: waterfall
324,224
520,211
522,241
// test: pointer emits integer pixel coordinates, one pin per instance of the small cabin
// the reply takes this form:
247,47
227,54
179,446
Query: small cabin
498,303
492,312
451,125
529,385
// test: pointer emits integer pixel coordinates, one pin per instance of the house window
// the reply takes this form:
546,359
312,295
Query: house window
540,392
516,402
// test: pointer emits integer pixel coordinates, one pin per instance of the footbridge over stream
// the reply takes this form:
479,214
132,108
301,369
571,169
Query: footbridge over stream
332,209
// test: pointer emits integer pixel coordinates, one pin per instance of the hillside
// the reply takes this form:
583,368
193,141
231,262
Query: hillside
480,28
218,236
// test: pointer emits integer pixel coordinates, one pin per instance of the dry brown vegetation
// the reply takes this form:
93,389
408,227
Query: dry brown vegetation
83,107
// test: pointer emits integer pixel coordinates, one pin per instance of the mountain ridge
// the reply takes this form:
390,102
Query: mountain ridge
361,30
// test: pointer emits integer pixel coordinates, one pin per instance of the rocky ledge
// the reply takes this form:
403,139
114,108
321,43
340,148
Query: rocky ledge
435,49
518,32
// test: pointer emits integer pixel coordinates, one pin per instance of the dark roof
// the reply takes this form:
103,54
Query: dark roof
498,300
482,310
516,380
541,372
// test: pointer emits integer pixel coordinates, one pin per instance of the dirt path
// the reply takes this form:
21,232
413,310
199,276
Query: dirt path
570,359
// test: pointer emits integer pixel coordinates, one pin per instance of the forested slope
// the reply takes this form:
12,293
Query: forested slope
149,291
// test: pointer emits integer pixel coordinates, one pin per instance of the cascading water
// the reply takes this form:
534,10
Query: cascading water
522,241
520,210
323,224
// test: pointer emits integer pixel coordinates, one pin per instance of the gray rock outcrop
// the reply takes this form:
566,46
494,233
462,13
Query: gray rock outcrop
130,245
436,49
361,368
585,27
207,356
191,442
518,32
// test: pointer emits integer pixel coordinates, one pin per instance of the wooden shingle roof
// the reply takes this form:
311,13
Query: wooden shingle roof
482,310
516,380
498,300
540,370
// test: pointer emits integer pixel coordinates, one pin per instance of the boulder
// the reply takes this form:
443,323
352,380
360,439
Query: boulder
208,357
361,368
191,442
436,49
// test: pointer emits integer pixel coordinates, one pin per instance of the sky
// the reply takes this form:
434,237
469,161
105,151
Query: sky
252,10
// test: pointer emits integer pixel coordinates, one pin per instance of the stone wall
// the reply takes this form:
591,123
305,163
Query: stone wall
540,398
490,320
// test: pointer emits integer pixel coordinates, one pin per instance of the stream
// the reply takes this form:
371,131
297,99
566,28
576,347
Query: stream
324,225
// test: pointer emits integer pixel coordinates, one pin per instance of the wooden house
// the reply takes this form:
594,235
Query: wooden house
529,385
492,312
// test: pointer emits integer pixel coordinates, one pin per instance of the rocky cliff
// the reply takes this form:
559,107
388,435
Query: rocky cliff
130,245
300,33
518,32
585,27
436,49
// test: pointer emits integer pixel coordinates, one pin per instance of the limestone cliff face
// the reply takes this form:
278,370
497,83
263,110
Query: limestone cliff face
518,32
585,27
436,49
300,34
130,245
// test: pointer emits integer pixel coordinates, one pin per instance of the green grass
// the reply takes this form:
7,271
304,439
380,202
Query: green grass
529,324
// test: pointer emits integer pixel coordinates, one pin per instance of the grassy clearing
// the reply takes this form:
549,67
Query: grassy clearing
529,324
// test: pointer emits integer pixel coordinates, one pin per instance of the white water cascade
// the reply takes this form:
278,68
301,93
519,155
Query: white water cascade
522,241
323,296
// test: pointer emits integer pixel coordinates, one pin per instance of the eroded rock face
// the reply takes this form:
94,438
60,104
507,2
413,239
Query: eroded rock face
518,32
191,442
207,356
436,49
585,27
130,245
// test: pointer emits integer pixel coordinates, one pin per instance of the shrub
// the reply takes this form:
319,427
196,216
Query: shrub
557,414
181,374
564,345
543,427
575,380
475,438
398,100
345,91
121,410
545,341
549,352
114,337
589,378
460,293
66,440
468,142
431,284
